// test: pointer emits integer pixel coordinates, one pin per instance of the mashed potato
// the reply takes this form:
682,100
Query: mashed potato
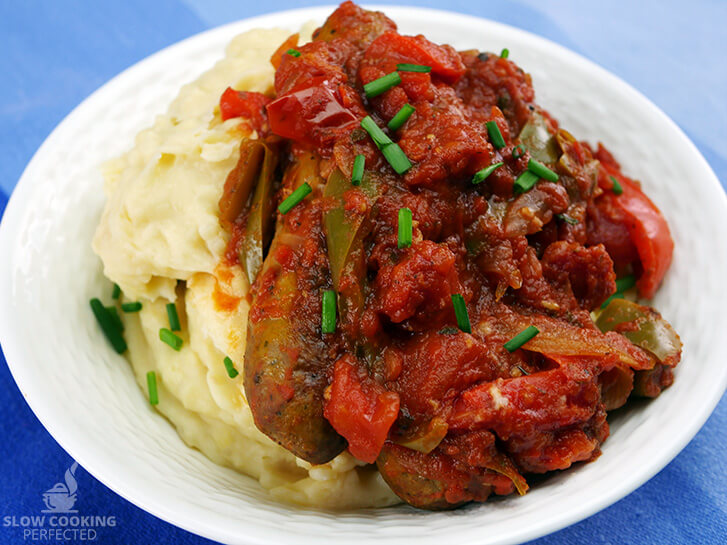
160,226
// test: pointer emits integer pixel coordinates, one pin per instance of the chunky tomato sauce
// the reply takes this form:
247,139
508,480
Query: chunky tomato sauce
448,415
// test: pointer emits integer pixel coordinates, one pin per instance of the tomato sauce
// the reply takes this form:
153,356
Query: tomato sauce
449,416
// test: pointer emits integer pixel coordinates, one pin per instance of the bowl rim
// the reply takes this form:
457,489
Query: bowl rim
25,189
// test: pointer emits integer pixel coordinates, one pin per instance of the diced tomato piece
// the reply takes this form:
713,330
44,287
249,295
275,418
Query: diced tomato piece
360,409
523,406
247,104
444,59
419,286
589,271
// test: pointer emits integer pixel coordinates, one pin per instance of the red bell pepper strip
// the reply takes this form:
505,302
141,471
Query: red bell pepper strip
647,227
296,114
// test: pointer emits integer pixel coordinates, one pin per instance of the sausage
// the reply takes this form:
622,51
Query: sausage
287,360
404,470
463,468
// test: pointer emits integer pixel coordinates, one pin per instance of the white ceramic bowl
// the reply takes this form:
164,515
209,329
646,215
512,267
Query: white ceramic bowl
84,394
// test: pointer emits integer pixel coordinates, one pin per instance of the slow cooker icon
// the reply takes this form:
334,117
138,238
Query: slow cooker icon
62,496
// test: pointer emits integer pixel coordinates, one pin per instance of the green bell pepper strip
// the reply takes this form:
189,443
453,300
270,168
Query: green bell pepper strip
644,327
260,219
241,180
345,232
535,136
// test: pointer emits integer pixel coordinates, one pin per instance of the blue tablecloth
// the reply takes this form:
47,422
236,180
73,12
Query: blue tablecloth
55,53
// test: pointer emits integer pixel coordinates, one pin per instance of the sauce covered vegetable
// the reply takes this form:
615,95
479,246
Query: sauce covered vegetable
463,240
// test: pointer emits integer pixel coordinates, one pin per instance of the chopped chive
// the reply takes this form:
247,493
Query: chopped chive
505,53
616,295
116,318
381,85
392,152
293,52
518,151
617,189
405,228
151,384
521,338
328,312
294,198
396,158
231,371
131,307
117,292
358,169
406,67
170,338
542,171
376,134
173,317
108,326
525,182
460,311
401,116
483,174
625,283
495,135
567,219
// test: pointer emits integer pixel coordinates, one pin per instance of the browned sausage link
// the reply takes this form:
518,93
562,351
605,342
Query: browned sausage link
287,361
355,25
401,468
651,382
